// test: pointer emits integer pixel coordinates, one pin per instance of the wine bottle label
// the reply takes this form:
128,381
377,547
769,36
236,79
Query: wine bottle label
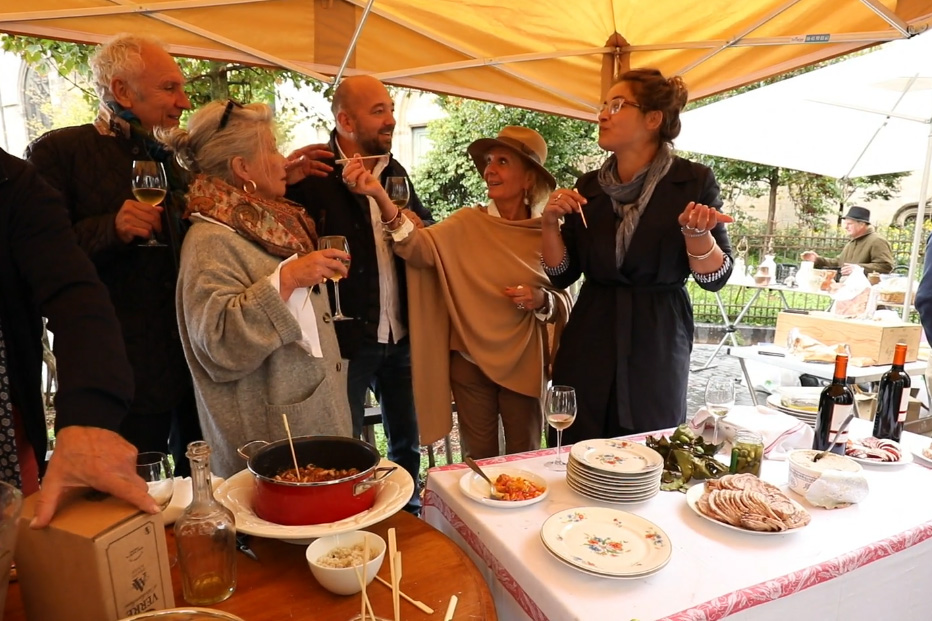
839,414
904,406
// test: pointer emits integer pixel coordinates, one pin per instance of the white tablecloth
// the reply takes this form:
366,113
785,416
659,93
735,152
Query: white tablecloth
869,561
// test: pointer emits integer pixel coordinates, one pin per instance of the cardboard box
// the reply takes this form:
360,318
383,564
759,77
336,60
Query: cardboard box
866,406
869,339
100,559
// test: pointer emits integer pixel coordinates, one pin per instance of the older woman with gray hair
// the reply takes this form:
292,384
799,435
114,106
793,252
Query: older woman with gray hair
255,324
484,320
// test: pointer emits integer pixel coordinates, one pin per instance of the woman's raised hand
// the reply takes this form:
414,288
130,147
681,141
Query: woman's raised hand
701,217
562,202
360,180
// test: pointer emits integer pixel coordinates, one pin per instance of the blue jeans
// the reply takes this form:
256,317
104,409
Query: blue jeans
386,369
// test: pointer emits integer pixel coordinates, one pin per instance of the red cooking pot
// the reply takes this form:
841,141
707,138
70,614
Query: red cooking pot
300,504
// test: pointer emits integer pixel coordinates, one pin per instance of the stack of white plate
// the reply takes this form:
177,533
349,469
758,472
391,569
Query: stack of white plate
807,416
606,542
614,470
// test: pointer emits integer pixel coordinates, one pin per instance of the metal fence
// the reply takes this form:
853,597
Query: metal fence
786,248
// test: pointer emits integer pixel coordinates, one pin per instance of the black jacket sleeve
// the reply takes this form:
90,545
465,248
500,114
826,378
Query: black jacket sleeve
95,382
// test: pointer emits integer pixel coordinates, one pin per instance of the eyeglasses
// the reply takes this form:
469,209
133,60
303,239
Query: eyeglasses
615,105
227,112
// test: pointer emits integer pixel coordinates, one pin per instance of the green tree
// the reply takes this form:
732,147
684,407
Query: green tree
207,79
448,180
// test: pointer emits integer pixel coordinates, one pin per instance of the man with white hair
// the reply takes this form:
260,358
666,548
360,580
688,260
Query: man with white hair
141,88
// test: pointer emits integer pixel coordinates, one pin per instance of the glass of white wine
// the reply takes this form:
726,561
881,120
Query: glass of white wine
398,191
719,399
560,411
339,242
156,470
149,186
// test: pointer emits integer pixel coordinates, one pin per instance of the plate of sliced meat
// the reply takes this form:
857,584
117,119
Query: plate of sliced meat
874,452
744,503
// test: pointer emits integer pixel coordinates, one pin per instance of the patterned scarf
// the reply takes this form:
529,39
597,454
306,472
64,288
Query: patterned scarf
280,226
631,198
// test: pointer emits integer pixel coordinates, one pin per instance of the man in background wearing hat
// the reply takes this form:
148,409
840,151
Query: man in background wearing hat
374,295
866,248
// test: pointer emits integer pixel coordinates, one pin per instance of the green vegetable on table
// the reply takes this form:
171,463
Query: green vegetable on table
686,456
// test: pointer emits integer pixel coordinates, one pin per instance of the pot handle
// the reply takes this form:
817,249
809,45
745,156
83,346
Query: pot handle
378,475
251,448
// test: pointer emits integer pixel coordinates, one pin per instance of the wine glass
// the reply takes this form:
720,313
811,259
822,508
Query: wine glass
398,191
719,399
156,470
339,242
560,411
149,186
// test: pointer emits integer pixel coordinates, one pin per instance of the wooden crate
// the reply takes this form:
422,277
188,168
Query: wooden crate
866,338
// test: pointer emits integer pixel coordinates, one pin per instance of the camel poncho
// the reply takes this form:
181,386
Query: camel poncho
457,273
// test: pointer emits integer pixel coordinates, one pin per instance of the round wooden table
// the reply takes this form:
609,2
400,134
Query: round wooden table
280,585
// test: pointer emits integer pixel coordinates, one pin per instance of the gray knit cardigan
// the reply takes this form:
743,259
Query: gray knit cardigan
240,342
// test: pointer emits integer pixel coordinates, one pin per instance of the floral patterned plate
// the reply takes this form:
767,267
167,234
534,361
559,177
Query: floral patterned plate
617,456
607,542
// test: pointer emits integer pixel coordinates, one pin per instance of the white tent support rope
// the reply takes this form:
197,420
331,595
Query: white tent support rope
352,44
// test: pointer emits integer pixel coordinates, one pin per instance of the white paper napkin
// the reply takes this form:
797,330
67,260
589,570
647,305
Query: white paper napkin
780,432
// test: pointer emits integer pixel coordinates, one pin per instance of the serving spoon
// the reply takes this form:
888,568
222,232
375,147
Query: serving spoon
841,430
494,494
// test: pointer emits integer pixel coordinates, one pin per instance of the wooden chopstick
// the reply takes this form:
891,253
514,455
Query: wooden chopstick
392,551
365,604
361,157
397,591
297,470
418,604
583,216
450,609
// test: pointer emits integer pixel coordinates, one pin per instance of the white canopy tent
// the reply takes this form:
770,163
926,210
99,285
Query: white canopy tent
869,115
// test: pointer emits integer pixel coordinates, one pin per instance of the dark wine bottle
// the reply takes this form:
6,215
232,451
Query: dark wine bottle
892,398
835,403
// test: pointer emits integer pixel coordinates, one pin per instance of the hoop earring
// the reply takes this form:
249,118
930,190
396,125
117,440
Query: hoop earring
245,187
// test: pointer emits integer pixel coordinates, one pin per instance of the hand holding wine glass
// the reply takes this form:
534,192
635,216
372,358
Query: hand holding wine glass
560,412
398,191
156,470
719,399
150,185
338,242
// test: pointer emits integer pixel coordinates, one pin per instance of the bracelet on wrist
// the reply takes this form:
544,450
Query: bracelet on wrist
388,222
700,257
689,231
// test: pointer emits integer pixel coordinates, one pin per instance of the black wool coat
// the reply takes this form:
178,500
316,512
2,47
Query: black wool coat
43,272
627,345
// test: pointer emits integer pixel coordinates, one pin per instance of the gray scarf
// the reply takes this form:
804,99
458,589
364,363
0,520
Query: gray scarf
631,198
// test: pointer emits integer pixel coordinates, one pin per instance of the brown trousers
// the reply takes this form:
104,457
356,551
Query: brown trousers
480,401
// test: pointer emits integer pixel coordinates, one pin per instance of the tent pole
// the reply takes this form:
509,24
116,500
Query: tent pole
352,45
920,221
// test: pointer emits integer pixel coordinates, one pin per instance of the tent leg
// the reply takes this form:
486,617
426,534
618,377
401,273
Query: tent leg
920,221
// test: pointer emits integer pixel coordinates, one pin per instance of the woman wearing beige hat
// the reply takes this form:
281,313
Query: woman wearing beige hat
484,318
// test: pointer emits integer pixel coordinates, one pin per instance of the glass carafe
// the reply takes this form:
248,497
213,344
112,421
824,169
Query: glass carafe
206,538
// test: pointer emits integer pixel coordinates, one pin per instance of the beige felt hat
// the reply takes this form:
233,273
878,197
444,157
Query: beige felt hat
525,141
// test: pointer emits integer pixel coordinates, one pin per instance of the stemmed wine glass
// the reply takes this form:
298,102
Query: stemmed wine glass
149,186
560,411
338,242
156,470
398,191
719,399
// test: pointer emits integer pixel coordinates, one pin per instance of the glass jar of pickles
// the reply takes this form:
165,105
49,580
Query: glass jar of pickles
747,452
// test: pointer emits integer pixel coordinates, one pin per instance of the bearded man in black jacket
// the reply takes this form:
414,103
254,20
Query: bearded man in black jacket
375,341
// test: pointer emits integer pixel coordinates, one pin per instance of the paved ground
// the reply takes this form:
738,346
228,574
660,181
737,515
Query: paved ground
723,366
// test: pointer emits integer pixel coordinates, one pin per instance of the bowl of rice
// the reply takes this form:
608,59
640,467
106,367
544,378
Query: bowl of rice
339,561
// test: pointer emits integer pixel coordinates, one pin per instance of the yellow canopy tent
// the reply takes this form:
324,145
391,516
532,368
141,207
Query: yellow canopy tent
541,54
